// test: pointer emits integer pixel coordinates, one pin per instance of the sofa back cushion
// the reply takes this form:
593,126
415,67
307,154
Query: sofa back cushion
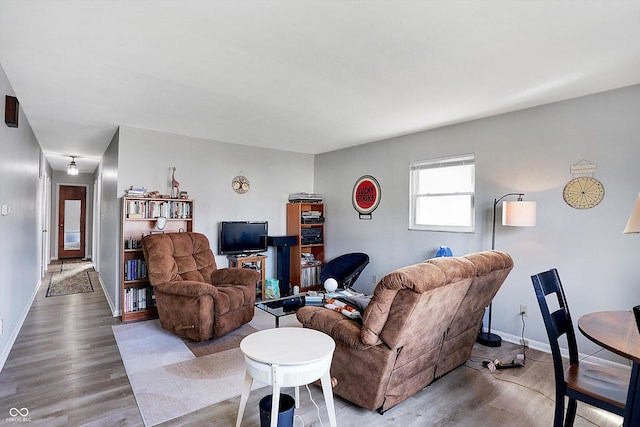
175,257
417,299
492,268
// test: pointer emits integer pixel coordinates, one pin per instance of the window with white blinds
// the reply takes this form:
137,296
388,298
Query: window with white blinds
442,194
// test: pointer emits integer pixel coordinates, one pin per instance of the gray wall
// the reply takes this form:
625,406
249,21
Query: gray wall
204,169
528,151
21,230
109,220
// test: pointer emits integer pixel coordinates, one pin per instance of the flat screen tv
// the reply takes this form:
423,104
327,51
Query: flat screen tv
242,237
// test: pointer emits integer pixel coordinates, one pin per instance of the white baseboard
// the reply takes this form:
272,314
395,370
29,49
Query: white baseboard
14,334
545,347
114,311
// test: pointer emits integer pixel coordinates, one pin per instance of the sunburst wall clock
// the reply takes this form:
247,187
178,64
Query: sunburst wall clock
240,184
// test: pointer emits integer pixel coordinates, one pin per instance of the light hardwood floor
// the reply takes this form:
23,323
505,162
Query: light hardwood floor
65,368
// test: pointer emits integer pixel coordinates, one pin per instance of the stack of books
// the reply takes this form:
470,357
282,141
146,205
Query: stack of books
136,191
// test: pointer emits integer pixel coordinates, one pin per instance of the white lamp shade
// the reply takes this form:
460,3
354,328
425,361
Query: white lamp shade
633,224
519,213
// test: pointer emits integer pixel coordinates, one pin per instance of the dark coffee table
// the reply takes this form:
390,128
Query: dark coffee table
282,306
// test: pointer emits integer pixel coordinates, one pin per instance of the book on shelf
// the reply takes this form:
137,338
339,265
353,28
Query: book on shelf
150,209
311,276
132,243
136,299
135,269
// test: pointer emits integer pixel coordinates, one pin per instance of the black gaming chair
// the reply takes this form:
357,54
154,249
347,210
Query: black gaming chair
345,269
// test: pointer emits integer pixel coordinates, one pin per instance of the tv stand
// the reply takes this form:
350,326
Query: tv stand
254,262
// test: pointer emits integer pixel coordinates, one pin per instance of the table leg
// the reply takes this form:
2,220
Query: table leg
277,322
632,409
248,381
297,394
327,390
275,397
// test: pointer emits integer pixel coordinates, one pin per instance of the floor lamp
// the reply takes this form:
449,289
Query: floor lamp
514,214
633,224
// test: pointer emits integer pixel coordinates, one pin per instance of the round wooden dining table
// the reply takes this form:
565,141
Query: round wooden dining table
617,331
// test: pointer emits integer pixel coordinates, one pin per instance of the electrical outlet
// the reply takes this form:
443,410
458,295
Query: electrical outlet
524,310
374,280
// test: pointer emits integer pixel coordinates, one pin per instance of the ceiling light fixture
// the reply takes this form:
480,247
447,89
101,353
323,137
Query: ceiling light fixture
72,169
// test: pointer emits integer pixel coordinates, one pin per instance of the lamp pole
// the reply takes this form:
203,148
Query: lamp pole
487,338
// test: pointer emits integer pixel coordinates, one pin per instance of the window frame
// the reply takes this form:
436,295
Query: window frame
443,162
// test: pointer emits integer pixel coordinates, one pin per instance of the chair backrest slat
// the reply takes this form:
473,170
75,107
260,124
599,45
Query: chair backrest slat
558,322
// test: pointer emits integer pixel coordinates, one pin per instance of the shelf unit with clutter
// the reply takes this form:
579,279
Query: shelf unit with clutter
305,220
142,216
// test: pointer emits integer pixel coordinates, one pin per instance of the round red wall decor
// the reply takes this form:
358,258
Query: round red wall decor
366,195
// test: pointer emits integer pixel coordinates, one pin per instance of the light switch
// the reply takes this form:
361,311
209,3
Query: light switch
5,209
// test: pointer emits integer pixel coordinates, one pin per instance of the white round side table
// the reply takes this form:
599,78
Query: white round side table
287,357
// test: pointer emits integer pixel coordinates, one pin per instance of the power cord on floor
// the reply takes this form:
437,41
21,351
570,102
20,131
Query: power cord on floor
518,361
499,378
524,343
314,404
524,358
591,354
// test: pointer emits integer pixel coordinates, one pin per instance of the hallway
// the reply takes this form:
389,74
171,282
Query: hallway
65,367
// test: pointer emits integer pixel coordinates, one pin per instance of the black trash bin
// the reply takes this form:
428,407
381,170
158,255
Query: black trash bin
285,413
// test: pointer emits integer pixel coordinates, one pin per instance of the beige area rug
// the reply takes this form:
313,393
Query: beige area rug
74,277
171,377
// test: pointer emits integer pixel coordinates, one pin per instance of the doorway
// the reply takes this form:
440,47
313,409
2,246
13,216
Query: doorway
46,218
72,220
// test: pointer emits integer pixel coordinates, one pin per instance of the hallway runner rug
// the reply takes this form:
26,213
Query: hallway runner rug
171,377
74,277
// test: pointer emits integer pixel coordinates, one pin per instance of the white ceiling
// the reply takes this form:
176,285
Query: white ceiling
302,75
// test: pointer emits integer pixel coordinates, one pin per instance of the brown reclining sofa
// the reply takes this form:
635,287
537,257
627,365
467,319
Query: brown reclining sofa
421,323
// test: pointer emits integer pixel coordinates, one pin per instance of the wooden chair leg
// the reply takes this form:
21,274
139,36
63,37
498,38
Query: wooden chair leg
571,413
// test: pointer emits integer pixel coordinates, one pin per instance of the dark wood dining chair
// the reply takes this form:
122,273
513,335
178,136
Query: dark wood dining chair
636,314
600,386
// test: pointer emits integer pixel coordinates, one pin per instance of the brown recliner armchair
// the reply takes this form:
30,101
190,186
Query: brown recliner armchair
195,299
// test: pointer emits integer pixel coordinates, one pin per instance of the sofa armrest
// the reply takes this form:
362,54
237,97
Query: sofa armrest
235,276
186,288
334,324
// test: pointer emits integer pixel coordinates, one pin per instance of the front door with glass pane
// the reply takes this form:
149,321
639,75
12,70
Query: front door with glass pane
71,221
